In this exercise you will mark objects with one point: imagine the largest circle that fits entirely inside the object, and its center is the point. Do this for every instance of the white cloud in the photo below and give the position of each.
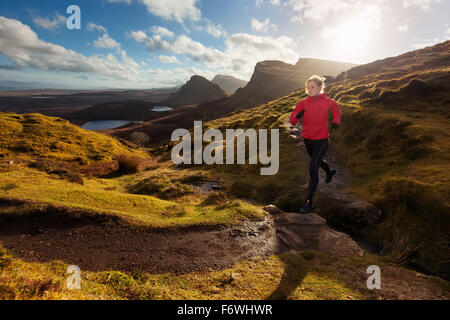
(275, 2)
(318, 10)
(242, 51)
(23, 46)
(178, 76)
(178, 10)
(422, 43)
(49, 23)
(168, 59)
(162, 31)
(258, 3)
(358, 27)
(124, 1)
(215, 30)
(423, 4)
(263, 26)
(402, 28)
(151, 43)
(321, 11)
(106, 42)
(96, 27)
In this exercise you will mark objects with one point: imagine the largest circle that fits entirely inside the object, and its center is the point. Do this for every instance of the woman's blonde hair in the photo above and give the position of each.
(320, 81)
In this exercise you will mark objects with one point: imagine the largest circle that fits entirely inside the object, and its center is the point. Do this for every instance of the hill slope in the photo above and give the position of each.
(34, 135)
(395, 139)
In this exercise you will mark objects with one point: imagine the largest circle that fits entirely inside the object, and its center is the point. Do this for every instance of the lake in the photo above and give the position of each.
(161, 108)
(104, 124)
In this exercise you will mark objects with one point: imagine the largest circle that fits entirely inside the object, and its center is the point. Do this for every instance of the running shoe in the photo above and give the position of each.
(307, 207)
(330, 176)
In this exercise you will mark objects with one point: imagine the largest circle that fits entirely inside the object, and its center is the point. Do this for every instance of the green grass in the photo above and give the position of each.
(399, 160)
(33, 135)
(306, 275)
(100, 195)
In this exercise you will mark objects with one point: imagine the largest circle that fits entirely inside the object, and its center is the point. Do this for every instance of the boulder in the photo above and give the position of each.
(350, 208)
(272, 209)
(337, 243)
(309, 231)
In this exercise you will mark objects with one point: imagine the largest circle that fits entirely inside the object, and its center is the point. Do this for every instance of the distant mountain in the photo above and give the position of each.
(271, 80)
(228, 83)
(274, 79)
(196, 91)
(19, 85)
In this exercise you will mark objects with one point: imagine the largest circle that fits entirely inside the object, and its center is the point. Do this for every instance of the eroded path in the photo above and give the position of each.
(341, 204)
(98, 242)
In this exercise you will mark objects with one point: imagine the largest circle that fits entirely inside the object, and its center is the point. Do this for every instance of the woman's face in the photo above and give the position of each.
(313, 88)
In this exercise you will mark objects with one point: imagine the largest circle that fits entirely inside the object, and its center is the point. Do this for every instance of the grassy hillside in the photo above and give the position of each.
(397, 154)
(138, 197)
(30, 136)
(50, 155)
(395, 144)
(395, 140)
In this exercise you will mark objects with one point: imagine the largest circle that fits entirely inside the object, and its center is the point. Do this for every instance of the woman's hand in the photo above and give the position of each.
(300, 114)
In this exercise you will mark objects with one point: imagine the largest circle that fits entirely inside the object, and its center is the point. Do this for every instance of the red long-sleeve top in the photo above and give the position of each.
(315, 117)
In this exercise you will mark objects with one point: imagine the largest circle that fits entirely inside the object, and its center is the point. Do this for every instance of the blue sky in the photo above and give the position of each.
(161, 43)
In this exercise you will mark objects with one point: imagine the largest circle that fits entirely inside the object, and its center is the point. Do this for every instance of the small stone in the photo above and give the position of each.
(272, 209)
(215, 290)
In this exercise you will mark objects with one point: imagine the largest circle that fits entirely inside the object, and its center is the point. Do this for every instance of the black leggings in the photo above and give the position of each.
(316, 150)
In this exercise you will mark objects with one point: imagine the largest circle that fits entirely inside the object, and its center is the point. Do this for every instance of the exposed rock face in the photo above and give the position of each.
(338, 243)
(302, 231)
(197, 90)
(272, 209)
(347, 207)
(228, 83)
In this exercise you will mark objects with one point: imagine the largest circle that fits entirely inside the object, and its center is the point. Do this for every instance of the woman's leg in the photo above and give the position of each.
(319, 149)
(309, 144)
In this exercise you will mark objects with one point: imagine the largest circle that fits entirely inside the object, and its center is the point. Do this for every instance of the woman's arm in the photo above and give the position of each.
(298, 111)
(336, 110)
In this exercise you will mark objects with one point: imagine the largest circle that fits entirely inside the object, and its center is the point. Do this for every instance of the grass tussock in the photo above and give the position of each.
(129, 163)
(65, 170)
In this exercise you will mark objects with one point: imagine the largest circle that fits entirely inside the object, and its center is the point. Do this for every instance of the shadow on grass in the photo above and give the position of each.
(293, 275)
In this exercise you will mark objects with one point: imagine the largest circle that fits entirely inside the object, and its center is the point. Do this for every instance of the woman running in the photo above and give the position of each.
(314, 111)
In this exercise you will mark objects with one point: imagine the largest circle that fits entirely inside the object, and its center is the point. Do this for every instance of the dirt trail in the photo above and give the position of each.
(341, 204)
(98, 242)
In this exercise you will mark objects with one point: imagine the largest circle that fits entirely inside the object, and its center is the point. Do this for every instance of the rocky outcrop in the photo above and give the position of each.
(196, 91)
(350, 208)
(309, 231)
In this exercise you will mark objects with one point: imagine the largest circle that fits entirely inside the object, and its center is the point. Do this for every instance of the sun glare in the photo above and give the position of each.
(351, 38)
